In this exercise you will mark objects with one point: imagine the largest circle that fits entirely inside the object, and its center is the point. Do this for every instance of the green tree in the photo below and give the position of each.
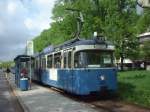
(143, 23)
(115, 19)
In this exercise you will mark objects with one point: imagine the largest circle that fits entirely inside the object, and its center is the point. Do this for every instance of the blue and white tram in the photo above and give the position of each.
(78, 66)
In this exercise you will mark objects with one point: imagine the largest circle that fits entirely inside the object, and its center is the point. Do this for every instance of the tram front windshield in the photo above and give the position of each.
(94, 59)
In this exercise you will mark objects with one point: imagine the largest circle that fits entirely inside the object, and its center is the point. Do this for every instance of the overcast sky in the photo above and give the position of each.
(21, 20)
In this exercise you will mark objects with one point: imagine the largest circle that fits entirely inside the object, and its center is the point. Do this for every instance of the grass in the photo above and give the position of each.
(134, 87)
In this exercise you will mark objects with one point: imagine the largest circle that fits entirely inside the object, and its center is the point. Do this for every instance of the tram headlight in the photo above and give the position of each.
(102, 77)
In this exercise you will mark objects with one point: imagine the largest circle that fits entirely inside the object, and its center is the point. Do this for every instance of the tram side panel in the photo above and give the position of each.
(66, 80)
(81, 81)
(94, 80)
(60, 78)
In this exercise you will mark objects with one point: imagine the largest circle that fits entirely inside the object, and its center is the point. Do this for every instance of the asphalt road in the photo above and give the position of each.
(8, 101)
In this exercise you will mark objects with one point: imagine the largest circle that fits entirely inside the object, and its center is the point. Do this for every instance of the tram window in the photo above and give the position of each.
(49, 61)
(57, 60)
(101, 59)
(69, 59)
(37, 63)
(76, 60)
(40, 63)
(65, 60)
(43, 63)
(80, 60)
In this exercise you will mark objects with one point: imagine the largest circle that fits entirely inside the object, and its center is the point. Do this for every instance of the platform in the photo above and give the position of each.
(41, 99)
(44, 99)
(8, 101)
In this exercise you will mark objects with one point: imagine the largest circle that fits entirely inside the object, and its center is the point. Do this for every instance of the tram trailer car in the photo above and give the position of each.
(78, 66)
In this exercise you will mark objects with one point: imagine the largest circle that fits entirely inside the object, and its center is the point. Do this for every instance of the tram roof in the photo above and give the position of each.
(76, 42)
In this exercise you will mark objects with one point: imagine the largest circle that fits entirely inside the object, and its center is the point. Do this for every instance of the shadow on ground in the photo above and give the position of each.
(124, 88)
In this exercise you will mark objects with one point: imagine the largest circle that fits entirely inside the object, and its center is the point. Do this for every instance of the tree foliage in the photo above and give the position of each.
(115, 19)
(7, 64)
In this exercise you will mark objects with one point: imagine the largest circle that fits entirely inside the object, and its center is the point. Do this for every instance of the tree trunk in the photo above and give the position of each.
(122, 59)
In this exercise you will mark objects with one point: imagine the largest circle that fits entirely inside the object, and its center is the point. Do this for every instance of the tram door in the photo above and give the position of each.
(68, 78)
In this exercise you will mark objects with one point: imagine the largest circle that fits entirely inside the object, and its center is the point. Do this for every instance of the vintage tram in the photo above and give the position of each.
(78, 66)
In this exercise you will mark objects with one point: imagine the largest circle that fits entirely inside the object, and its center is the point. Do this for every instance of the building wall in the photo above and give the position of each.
(144, 37)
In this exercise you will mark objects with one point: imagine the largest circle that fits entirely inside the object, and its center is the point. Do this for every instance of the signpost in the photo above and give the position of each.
(30, 51)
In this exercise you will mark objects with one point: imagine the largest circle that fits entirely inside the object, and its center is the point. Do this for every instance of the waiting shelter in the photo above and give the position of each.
(23, 62)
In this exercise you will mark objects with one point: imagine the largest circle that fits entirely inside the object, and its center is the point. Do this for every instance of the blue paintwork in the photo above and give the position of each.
(82, 81)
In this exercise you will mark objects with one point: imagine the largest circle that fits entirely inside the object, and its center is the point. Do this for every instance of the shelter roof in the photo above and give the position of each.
(23, 58)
